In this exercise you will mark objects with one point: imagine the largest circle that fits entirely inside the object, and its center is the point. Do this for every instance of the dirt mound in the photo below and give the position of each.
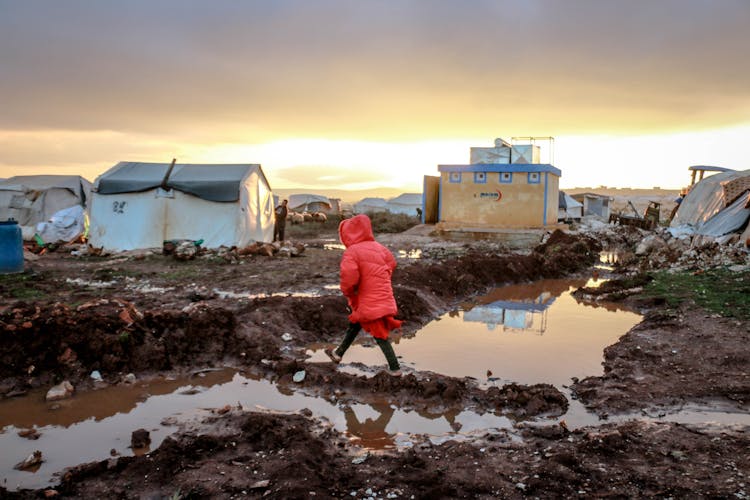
(654, 364)
(426, 391)
(288, 456)
(109, 335)
(562, 254)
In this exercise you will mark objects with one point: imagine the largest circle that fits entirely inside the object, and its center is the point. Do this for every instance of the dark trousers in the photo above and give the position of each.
(384, 344)
(278, 231)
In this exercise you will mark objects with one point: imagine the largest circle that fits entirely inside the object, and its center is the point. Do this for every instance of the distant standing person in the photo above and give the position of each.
(366, 269)
(280, 221)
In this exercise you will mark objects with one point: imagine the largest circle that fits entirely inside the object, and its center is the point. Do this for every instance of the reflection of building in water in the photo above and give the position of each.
(513, 314)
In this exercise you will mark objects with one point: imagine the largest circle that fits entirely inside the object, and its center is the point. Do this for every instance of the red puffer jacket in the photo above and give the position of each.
(366, 269)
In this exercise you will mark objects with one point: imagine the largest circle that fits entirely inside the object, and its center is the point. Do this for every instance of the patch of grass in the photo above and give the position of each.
(184, 271)
(124, 337)
(718, 290)
(22, 286)
(109, 274)
(312, 229)
(386, 222)
(382, 222)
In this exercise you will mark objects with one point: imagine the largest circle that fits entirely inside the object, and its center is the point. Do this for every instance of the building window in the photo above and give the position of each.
(506, 177)
(480, 177)
(454, 177)
(533, 177)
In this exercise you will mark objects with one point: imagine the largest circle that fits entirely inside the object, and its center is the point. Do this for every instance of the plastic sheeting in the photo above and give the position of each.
(705, 199)
(370, 205)
(406, 203)
(133, 220)
(66, 225)
(31, 199)
(217, 182)
(309, 203)
(729, 220)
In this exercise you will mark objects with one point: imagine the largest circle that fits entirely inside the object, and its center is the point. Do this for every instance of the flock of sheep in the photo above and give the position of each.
(300, 217)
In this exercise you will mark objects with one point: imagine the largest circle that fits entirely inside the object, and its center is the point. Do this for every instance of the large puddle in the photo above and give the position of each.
(529, 334)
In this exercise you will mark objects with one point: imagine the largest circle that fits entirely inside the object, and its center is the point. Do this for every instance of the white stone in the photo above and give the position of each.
(60, 391)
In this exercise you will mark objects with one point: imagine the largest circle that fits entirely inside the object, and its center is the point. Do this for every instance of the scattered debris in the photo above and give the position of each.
(140, 438)
(32, 461)
(62, 390)
(32, 434)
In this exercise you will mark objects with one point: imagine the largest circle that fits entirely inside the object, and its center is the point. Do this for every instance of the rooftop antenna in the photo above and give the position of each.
(533, 139)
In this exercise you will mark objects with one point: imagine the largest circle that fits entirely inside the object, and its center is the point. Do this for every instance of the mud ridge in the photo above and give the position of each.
(290, 456)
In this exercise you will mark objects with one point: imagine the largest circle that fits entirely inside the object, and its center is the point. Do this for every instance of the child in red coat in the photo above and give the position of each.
(366, 269)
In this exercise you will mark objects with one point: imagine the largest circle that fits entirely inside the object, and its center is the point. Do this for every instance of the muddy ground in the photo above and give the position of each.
(145, 314)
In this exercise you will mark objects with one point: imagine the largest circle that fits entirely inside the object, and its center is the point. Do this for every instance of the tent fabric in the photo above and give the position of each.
(729, 220)
(137, 219)
(218, 182)
(66, 225)
(31, 199)
(309, 203)
(405, 203)
(707, 198)
(370, 205)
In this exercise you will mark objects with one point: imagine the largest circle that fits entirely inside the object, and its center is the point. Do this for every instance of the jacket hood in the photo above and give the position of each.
(355, 230)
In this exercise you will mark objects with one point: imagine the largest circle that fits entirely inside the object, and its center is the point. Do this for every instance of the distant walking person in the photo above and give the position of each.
(366, 269)
(280, 221)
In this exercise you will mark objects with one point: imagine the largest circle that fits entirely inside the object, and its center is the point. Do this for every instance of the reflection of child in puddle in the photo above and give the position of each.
(366, 269)
(370, 430)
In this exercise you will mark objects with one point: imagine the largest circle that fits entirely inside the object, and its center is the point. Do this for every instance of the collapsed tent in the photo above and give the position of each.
(140, 205)
(32, 199)
(65, 226)
(568, 208)
(309, 203)
(406, 203)
(716, 206)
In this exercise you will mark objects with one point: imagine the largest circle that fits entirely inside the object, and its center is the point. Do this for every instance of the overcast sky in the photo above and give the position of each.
(85, 84)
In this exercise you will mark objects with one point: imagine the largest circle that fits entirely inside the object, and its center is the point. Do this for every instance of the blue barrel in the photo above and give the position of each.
(11, 247)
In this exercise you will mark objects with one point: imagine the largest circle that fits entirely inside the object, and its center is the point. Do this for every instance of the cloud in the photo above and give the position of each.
(258, 71)
(315, 175)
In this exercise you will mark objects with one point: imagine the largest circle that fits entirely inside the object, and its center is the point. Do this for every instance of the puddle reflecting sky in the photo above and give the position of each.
(86, 427)
(528, 333)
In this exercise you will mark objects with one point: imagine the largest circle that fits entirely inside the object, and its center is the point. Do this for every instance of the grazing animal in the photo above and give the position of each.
(296, 218)
(319, 217)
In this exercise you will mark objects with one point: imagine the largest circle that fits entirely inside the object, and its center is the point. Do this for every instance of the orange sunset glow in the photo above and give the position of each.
(364, 95)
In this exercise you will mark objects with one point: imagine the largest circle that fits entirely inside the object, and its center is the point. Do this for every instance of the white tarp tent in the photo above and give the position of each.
(31, 199)
(370, 205)
(309, 203)
(140, 205)
(406, 203)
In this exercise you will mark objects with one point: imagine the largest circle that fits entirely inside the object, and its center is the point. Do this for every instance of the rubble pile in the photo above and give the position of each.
(661, 250)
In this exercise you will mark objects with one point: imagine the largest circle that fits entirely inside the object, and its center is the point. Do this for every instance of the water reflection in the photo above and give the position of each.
(474, 338)
(518, 307)
(86, 427)
(33, 411)
(414, 253)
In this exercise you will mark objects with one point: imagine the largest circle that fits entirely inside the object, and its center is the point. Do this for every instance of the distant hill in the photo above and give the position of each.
(345, 195)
